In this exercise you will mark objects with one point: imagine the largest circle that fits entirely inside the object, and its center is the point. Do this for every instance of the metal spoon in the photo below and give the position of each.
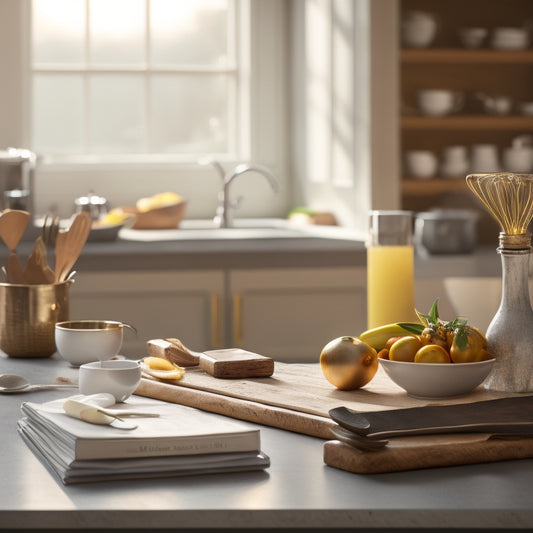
(12, 383)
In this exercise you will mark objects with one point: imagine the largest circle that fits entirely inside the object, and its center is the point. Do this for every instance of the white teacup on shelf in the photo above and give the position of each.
(455, 161)
(508, 38)
(420, 163)
(526, 108)
(496, 105)
(473, 37)
(484, 158)
(418, 29)
(436, 102)
(518, 159)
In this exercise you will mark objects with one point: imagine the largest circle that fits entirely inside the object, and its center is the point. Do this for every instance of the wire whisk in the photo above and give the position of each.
(508, 197)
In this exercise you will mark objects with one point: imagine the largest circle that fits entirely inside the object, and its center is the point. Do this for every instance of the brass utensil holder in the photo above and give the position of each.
(28, 314)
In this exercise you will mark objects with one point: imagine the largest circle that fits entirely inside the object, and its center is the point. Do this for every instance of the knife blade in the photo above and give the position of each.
(507, 416)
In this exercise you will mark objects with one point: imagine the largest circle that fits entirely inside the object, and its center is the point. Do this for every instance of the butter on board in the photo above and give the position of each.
(223, 363)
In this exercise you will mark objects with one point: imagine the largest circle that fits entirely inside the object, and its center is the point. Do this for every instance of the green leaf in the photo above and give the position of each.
(411, 327)
(434, 312)
(461, 338)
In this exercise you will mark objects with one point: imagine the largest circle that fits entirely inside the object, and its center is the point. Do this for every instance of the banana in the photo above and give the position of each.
(377, 337)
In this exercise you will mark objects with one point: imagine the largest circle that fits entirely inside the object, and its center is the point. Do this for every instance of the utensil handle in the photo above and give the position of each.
(51, 386)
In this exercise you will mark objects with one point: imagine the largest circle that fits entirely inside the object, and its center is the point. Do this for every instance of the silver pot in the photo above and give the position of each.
(446, 231)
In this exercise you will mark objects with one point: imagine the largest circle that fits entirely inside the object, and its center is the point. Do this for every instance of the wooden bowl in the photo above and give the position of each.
(164, 217)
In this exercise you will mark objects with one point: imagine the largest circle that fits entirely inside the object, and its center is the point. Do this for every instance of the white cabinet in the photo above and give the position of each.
(291, 314)
(159, 304)
(287, 314)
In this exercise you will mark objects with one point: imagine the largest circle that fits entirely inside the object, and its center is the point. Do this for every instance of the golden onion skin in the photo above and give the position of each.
(348, 363)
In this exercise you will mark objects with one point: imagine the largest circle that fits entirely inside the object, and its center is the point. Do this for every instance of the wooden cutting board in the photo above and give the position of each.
(297, 398)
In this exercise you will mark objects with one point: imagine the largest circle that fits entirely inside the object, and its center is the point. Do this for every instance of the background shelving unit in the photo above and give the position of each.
(448, 65)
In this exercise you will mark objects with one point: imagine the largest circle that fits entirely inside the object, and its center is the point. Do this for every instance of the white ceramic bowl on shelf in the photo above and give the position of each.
(435, 380)
(473, 37)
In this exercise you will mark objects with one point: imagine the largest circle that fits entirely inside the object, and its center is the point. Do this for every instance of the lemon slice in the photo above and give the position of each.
(162, 368)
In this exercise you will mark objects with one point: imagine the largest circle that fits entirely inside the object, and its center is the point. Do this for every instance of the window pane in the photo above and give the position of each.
(116, 120)
(117, 32)
(185, 32)
(58, 31)
(189, 113)
(57, 114)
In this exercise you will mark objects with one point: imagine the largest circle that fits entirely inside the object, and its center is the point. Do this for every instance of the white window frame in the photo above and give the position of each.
(123, 180)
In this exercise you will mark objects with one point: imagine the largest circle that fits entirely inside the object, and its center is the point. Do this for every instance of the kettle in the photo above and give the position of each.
(17, 168)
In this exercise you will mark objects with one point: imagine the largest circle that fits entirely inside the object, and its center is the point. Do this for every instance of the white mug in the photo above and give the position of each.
(518, 159)
(455, 161)
(484, 158)
(420, 163)
(418, 29)
(437, 102)
(119, 377)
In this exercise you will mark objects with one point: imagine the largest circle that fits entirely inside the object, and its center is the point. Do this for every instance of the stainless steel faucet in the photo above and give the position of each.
(223, 217)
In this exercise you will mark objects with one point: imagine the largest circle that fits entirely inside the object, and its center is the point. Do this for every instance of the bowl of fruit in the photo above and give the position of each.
(432, 359)
(161, 211)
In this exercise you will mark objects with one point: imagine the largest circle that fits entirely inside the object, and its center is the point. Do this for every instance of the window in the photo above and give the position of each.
(253, 113)
(139, 77)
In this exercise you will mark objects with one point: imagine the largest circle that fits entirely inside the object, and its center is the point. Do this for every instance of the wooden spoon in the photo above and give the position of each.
(70, 243)
(13, 224)
(37, 270)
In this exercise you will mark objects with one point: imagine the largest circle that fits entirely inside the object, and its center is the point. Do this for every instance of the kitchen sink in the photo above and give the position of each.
(244, 228)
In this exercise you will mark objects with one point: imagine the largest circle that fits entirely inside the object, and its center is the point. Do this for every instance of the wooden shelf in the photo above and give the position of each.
(460, 55)
(431, 186)
(467, 122)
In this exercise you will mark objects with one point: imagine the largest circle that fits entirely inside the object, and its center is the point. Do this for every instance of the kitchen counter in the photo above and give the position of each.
(297, 491)
(337, 250)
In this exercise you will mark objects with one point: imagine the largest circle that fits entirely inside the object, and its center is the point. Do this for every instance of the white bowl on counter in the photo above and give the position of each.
(436, 380)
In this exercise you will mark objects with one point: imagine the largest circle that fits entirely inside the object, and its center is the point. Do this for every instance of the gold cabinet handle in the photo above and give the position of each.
(237, 319)
(216, 325)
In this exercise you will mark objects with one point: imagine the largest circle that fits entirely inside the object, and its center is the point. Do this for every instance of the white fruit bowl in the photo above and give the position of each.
(435, 380)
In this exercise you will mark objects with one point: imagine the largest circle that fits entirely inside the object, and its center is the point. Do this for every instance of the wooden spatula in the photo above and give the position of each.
(70, 243)
(13, 224)
(37, 270)
(226, 363)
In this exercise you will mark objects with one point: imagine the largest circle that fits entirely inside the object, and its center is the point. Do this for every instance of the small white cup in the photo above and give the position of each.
(84, 341)
(119, 377)
(526, 108)
(519, 160)
(473, 37)
(437, 102)
(484, 158)
(455, 161)
(509, 38)
(498, 105)
(420, 163)
(418, 29)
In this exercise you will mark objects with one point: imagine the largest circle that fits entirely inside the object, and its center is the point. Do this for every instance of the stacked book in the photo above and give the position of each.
(180, 441)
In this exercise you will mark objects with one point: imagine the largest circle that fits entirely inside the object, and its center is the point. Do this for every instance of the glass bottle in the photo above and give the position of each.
(510, 333)
(390, 268)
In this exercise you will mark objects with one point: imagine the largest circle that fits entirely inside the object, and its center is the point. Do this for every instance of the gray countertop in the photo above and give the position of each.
(261, 253)
(297, 491)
